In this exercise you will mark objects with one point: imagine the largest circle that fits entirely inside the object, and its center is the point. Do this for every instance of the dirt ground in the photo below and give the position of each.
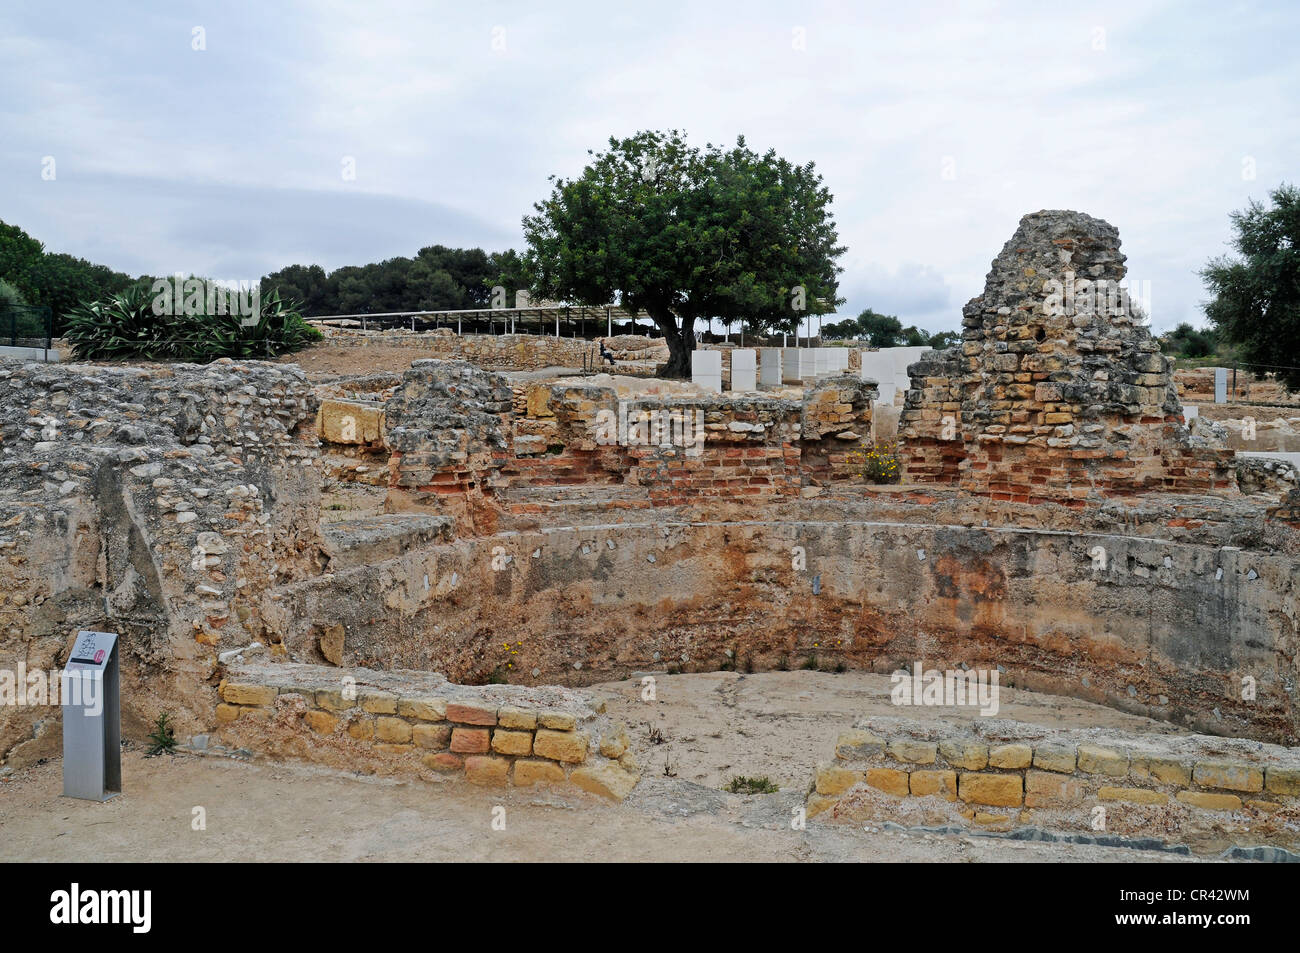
(323, 360)
(713, 726)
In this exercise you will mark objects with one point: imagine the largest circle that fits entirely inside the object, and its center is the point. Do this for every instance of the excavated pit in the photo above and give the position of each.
(442, 570)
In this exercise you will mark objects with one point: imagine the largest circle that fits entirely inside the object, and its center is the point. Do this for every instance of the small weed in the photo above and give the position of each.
(809, 664)
(654, 735)
(162, 740)
(783, 663)
(743, 785)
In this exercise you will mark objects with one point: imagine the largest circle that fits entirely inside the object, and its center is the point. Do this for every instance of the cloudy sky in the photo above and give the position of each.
(215, 138)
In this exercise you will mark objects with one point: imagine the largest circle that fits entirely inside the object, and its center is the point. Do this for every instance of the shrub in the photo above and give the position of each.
(879, 464)
(126, 326)
(743, 785)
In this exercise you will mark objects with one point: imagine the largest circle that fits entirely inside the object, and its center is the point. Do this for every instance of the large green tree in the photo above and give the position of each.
(1256, 303)
(684, 234)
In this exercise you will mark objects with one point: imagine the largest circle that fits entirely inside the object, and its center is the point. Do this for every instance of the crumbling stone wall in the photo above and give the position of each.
(1000, 774)
(1169, 628)
(504, 352)
(417, 724)
(456, 442)
(1057, 391)
(162, 504)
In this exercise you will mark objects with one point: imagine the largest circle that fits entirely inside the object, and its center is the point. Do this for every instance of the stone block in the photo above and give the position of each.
(529, 771)
(471, 740)
(606, 779)
(558, 720)
(1013, 756)
(393, 730)
(424, 709)
(994, 790)
(1059, 758)
(941, 783)
(321, 722)
(960, 753)
(1228, 775)
(832, 779)
(244, 694)
(433, 737)
(1048, 789)
(492, 772)
(1210, 802)
(512, 742)
(1164, 770)
(378, 703)
(520, 718)
(1094, 759)
(913, 752)
(567, 746)
(857, 745)
(471, 714)
(1282, 781)
(889, 780)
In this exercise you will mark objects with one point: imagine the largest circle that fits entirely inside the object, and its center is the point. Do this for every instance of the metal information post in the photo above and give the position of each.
(92, 728)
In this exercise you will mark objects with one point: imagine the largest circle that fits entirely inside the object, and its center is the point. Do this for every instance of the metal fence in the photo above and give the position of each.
(24, 325)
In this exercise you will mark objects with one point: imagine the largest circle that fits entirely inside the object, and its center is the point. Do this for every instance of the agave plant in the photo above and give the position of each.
(128, 326)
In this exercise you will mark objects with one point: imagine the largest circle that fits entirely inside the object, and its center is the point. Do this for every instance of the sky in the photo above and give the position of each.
(231, 139)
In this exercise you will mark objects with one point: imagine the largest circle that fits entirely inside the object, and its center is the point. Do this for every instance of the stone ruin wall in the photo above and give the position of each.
(180, 507)
(998, 774)
(162, 504)
(457, 446)
(1048, 398)
(504, 352)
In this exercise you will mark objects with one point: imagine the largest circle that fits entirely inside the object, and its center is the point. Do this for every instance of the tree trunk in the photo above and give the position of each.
(681, 342)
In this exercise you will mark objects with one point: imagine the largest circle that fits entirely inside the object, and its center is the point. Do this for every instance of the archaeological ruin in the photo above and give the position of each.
(421, 573)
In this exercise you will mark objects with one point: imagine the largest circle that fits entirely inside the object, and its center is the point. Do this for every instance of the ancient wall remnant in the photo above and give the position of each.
(455, 441)
(1001, 774)
(162, 504)
(1057, 391)
(418, 724)
(506, 352)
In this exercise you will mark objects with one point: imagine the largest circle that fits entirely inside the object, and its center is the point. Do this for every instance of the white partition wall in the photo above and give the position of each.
(903, 356)
(706, 369)
(744, 369)
(807, 363)
(822, 358)
(878, 366)
(839, 360)
(769, 366)
(790, 364)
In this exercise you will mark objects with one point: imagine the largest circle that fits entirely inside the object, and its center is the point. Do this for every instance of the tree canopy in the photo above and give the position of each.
(54, 280)
(885, 330)
(684, 234)
(1256, 303)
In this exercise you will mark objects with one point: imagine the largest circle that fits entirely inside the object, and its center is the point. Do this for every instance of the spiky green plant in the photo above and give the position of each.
(126, 326)
(162, 740)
